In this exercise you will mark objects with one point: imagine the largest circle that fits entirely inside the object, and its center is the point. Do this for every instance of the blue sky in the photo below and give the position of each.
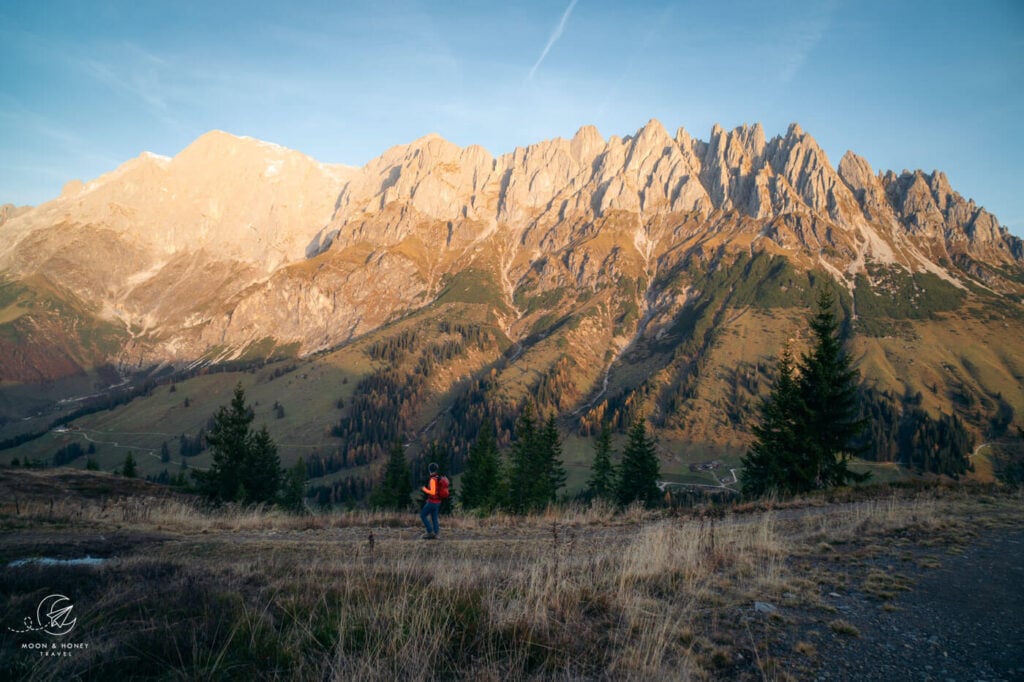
(86, 85)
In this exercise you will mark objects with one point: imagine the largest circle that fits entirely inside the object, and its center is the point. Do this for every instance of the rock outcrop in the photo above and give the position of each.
(235, 240)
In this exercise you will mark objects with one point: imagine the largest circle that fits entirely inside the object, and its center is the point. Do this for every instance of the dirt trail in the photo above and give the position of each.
(961, 621)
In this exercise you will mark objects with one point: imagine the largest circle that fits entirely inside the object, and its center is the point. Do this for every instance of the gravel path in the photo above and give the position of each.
(961, 621)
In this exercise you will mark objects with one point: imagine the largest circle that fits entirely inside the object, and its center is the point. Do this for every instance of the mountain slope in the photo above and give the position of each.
(161, 245)
(654, 274)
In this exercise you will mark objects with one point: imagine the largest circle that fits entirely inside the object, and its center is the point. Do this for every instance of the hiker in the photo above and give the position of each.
(430, 510)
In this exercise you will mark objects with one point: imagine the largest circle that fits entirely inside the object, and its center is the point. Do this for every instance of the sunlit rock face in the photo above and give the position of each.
(235, 241)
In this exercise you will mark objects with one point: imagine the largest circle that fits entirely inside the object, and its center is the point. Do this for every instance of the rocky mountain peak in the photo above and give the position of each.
(799, 159)
(730, 163)
(586, 144)
(645, 173)
(653, 133)
(855, 171)
(229, 197)
(866, 187)
(429, 149)
(71, 188)
(942, 192)
(239, 239)
(927, 207)
(216, 146)
(217, 140)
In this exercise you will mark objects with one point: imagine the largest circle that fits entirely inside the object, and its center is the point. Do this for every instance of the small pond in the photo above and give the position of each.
(50, 561)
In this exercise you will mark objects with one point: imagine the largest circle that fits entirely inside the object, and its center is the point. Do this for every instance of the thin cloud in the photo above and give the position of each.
(641, 48)
(555, 35)
(143, 76)
(141, 88)
(802, 39)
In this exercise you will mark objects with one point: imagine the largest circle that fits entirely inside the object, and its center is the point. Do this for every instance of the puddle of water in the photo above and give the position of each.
(50, 561)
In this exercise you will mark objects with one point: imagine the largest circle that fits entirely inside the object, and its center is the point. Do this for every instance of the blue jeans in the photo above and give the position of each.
(429, 516)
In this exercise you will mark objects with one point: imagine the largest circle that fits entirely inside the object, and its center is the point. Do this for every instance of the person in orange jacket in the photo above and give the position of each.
(430, 511)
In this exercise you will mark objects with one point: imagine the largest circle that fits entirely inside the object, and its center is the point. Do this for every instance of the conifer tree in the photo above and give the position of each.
(602, 483)
(245, 466)
(128, 468)
(535, 471)
(293, 491)
(524, 466)
(771, 463)
(811, 417)
(551, 452)
(228, 441)
(395, 489)
(261, 470)
(481, 481)
(639, 471)
(828, 389)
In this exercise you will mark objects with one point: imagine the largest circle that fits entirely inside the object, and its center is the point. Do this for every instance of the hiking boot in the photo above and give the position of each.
(428, 536)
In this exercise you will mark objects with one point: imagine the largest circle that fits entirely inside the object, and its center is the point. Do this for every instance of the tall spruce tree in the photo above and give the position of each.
(770, 464)
(395, 489)
(551, 448)
(229, 445)
(481, 481)
(809, 421)
(129, 469)
(639, 471)
(535, 471)
(524, 469)
(245, 466)
(828, 388)
(602, 483)
(261, 470)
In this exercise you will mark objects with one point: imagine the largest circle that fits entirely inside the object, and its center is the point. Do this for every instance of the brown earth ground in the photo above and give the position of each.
(869, 585)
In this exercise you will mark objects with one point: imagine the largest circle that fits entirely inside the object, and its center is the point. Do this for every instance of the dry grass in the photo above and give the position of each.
(842, 627)
(806, 649)
(579, 593)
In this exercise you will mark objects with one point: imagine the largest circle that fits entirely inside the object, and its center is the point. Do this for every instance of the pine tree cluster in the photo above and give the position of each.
(638, 473)
(635, 479)
(532, 478)
(245, 465)
(900, 431)
(810, 421)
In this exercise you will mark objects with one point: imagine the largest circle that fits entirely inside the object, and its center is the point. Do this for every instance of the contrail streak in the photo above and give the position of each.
(555, 35)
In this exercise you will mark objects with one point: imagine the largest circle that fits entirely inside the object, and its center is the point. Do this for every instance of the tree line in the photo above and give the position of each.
(900, 431)
(529, 475)
(527, 482)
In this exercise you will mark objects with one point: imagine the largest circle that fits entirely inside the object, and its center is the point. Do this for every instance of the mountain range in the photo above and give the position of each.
(654, 274)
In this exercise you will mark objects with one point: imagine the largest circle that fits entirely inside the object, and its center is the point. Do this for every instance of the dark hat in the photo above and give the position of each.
(432, 467)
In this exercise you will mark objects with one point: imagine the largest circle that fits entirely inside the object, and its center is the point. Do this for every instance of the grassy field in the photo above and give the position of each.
(183, 592)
